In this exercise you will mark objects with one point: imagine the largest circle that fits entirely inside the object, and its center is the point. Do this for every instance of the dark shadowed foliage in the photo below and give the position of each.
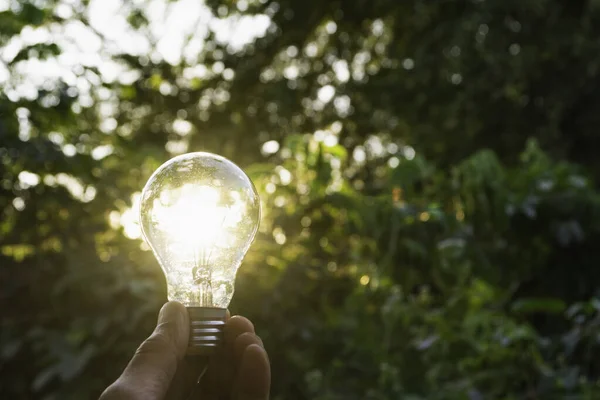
(428, 171)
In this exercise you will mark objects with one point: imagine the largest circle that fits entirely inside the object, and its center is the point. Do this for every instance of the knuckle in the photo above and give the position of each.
(243, 342)
(249, 338)
(259, 341)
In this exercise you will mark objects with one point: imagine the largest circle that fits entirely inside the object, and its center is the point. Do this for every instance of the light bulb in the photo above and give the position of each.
(199, 213)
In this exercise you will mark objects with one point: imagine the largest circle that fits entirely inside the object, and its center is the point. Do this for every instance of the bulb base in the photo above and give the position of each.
(206, 329)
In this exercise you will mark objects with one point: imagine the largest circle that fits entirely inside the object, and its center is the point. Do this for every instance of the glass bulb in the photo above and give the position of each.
(199, 213)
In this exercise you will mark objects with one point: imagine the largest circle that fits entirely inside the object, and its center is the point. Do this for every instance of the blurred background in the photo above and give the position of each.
(428, 171)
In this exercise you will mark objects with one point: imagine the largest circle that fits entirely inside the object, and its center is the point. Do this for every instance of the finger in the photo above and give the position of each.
(221, 370)
(234, 327)
(242, 342)
(152, 368)
(254, 375)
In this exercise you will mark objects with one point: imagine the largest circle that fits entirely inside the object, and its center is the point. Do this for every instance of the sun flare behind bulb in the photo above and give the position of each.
(199, 213)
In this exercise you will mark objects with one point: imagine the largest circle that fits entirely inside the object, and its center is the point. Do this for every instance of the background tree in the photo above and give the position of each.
(427, 170)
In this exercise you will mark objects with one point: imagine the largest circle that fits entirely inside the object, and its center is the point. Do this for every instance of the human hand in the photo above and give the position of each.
(159, 369)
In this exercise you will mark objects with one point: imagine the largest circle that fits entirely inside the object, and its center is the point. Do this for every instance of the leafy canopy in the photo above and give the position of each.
(428, 174)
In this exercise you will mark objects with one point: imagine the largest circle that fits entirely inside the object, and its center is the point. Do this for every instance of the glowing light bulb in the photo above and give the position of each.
(199, 213)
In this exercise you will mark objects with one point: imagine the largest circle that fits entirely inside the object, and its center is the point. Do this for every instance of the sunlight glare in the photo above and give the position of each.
(195, 217)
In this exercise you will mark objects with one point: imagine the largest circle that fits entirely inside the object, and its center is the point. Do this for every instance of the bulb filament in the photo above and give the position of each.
(202, 271)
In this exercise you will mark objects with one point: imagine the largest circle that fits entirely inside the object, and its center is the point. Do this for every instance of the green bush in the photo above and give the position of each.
(429, 231)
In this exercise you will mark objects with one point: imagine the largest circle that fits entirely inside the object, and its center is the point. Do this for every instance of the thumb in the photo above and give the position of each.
(152, 368)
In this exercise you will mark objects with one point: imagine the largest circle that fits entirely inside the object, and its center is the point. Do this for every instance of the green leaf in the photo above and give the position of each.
(539, 305)
(40, 51)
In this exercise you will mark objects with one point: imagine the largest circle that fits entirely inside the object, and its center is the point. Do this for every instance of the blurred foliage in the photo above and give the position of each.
(429, 179)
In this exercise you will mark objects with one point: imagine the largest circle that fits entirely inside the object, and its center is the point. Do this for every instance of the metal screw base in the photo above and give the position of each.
(206, 329)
